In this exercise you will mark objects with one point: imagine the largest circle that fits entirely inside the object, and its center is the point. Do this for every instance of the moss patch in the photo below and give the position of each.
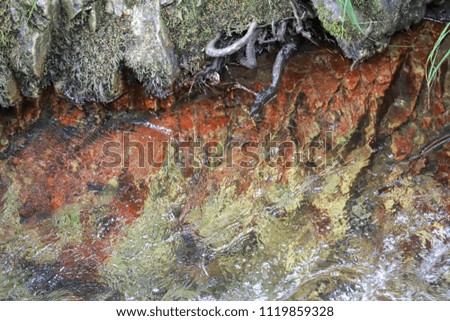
(347, 30)
(6, 25)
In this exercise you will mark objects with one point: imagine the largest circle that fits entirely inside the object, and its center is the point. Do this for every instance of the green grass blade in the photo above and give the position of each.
(433, 54)
(348, 11)
(33, 7)
(431, 66)
(435, 69)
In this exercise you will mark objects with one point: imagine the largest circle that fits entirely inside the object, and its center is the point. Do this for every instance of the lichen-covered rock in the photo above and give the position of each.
(29, 33)
(91, 47)
(74, 7)
(363, 28)
(85, 63)
(148, 51)
(9, 91)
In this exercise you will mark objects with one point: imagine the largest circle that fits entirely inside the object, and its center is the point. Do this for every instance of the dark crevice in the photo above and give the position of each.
(393, 92)
(293, 126)
(363, 224)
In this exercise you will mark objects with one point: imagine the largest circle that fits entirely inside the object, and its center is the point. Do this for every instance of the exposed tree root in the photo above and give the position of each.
(268, 94)
(435, 144)
(413, 160)
(212, 51)
(257, 39)
(249, 60)
(262, 35)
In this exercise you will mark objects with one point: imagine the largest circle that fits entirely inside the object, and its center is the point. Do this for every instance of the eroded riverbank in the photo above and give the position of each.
(317, 199)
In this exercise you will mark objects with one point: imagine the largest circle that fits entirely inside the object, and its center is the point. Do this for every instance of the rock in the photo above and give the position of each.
(87, 52)
(73, 7)
(149, 52)
(439, 10)
(31, 43)
(365, 27)
(9, 90)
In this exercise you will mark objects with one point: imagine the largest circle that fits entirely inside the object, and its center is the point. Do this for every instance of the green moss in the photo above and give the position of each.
(10, 211)
(368, 7)
(6, 25)
(85, 63)
(347, 30)
(23, 8)
(356, 22)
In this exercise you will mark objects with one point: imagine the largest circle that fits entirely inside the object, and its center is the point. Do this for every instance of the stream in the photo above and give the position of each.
(328, 195)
